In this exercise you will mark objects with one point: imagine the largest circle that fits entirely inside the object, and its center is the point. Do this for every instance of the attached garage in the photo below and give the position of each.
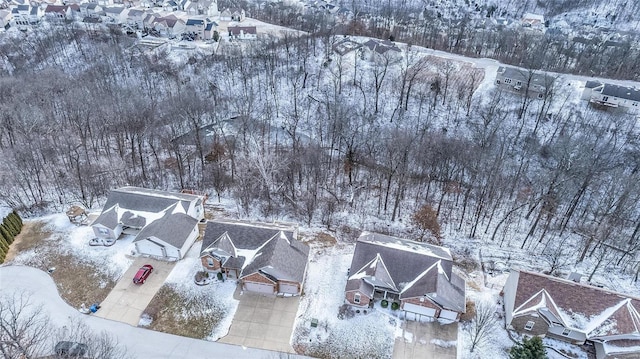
(288, 288)
(413, 308)
(448, 314)
(263, 288)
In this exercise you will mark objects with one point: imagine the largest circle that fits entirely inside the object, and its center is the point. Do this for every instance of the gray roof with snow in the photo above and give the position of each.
(172, 228)
(415, 269)
(278, 254)
(623, 92)
(523, 76)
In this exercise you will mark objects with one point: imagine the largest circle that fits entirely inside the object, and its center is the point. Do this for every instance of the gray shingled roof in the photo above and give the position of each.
(147, 200)
(406, 261)
(523, 76)
(244, 235)
(280, 255)
(172, 228)
(623, 92)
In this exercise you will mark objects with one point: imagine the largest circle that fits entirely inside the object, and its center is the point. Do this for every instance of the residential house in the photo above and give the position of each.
(345, 46)
(164, 224)
(5, 19)
(604, 95)
(169, 26)
(232, 14)
(542, 305)
(195, 27)
(57, 12)
(135, 18)
(417, 275)
(382, 51)
(20, 16)
(243, 32)
(199, 7)
(36, 13)
(265, 258)
(210, 30)
(170, 6)
(528, 82)
(115, 14)
(533, 21)
(90, 9)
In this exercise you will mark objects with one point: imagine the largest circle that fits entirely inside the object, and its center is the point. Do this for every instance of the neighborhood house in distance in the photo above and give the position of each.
(542, 305)
(524, 82)
(164, 224)
(265, 258)
(604, 95)
(418, 275)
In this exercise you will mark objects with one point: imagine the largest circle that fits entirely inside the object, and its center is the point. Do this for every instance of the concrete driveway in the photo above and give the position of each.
(430, 340)
(126, 301)
(264, 322)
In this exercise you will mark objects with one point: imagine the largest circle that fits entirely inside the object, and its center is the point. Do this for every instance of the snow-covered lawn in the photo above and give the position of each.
(368, 335)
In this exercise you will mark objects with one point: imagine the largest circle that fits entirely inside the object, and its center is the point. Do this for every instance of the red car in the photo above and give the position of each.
(143, 274)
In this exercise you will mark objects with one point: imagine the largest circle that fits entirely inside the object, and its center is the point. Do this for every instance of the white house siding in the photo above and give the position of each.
(103, 232)
(189, 241)
(259, 287)
(413, 308)
(157, 248)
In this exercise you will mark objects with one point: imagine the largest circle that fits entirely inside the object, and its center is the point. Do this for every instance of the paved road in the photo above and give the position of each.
(126, 301)
(140, 343)
(263, 322)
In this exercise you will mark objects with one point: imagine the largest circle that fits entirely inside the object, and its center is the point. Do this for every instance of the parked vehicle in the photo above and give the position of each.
(143, 274)
(71, 349)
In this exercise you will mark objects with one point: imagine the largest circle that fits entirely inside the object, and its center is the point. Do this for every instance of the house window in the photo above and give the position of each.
(540, 95)
(605, 98)
(519, 83)
(210, 261)
(356, 298)
(529, 325)
(507, 81)
(103, 231)
(498, 82)
(566, 332)
(634, 104)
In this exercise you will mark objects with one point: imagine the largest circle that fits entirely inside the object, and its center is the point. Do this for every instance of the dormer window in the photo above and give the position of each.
(566, 332)
(356, 298)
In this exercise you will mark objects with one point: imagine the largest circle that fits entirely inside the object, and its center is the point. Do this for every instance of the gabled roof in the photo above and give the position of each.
(582, 307)
(195, 22)
(237, 30)
(623, 92)
(268, 248)
(410, 268)
(173, 228)
(540, 79)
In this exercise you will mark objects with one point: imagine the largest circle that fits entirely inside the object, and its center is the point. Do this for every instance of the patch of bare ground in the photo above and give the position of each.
(78, 281)
(32, 234)
(323, 240)
(188, 316)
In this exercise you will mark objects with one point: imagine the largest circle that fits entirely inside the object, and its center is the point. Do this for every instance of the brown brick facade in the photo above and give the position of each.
(364, 300)
(205, 263)
(540, 327)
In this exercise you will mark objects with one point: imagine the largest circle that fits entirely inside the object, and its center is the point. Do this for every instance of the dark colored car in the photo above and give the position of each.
(143, 274)
(71, 349)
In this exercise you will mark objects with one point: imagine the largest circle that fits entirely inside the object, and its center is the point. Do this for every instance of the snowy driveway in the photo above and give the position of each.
(430, 340)
(140, 343)
(126, 301)
(263, 322)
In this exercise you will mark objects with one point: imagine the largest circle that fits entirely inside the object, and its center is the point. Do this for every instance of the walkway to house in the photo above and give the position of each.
(264, 322)
(126, 301)
(430, 340)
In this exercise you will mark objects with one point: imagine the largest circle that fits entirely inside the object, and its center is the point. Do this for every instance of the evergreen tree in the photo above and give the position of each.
(17, 216)
(5, 233)
(3, 254)
(3, 244)
(10, 226)
(530, 348)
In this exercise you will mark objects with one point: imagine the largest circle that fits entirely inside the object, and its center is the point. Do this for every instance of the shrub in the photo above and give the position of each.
(219, 275)
(384, 303)
(395, 306)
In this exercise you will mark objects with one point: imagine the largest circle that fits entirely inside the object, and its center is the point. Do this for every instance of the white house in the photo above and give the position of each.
(243, 33)
(232, 14)
(612, 96)
(5, 19)
(165, 224)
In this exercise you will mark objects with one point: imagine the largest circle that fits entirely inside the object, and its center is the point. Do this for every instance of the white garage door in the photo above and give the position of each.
(288, 288)
(447, 314)
(419, 309)
(151, 248)
(259, 287)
